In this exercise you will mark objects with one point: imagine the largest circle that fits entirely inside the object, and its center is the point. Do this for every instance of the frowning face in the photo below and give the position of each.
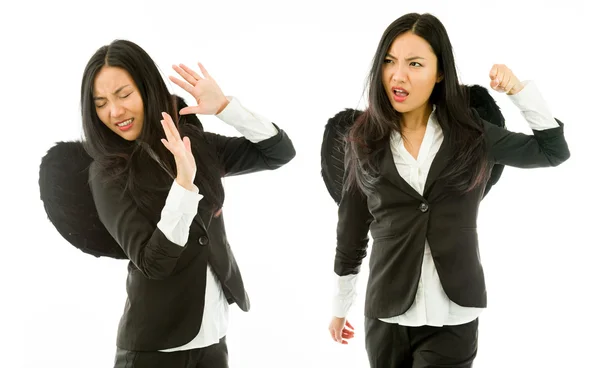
(410, 72)
(118, 102)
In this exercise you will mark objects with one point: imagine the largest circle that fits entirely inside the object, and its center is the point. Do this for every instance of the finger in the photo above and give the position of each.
(187, 144)
(167, 131)
(346, 332)
(338, 336)
(511, 84)
(166, 143)
(186, 86)
(494, 72)
(185, 75)
(191, 72)
(507, 85)
(505, 79)
(204, 71)
(349, 325)
(497, 82)
(191, 110)
(500, 77)
(171, 125)
(347, 335)
(333, 335)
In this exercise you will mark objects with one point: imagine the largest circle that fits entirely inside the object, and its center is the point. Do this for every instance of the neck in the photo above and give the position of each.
(416, 119)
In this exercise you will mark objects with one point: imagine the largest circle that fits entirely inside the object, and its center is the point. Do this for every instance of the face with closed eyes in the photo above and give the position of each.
(118, 102)
(410, 73)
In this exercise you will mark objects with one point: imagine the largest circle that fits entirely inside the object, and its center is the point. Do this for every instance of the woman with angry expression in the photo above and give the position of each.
(417, 163)
(156, 183)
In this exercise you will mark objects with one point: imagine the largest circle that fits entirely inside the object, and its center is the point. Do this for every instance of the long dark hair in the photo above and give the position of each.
(130, 163)
(370, 133)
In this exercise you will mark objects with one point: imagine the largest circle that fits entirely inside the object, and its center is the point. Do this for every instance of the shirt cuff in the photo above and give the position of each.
(182, 200)
(345, 295)
(533, 107)
(252, 126)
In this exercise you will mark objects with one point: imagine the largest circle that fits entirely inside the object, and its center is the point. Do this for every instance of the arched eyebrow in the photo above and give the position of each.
(114, 93)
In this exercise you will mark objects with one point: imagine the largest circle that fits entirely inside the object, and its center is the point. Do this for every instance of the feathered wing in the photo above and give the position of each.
(485, 105)
(68, 201)
(336, 129)
(332, 151)
(67, 197)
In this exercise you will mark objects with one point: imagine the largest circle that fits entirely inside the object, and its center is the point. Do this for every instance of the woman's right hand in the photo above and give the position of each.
(341, 330)
(182, 151)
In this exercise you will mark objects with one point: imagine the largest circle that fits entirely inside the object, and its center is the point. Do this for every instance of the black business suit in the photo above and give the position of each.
(166, 282)
(400, 219)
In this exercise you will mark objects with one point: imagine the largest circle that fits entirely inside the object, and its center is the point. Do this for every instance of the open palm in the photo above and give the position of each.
(206, 91)
(181, 150)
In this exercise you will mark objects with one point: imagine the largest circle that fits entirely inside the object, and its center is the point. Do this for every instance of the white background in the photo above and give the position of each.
(299, 64)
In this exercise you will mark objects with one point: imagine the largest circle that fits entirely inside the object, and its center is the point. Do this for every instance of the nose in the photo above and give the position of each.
(400, 74)
(116, 110)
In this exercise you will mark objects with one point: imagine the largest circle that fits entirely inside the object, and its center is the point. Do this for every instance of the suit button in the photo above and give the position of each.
(203, 240)
(424, 207)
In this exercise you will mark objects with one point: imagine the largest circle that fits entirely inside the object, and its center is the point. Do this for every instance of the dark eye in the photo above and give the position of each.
(388, 61)
(415, 63)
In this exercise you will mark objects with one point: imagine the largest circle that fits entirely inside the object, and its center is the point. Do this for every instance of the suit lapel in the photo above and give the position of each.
(440, 161)
(390, 172)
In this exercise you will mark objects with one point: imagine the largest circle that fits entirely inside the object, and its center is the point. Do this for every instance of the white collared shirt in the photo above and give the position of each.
(181, 207)
(432, 306)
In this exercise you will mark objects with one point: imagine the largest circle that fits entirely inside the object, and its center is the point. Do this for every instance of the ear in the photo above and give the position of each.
(439, 78)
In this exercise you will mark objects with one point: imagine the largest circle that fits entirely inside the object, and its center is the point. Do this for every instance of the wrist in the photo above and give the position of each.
(516, 89)
(186, 184)
(223, 105)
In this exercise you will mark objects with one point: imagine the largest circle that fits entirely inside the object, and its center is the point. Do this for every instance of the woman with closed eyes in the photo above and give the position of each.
(156, 184)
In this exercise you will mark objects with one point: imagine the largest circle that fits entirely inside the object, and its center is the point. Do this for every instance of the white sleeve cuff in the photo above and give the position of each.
(182, 200)
(181, 206)
(533, 107)
(252, 126)
(344, 295)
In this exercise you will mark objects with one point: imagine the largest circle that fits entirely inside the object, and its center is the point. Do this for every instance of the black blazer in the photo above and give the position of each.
(400, 220)
(166, 282)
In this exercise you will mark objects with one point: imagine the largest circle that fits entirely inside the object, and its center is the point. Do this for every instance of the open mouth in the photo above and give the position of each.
(400, 94)
(125, 124)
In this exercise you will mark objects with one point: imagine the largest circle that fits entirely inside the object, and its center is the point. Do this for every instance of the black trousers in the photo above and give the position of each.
(394, 346)
(213, 356)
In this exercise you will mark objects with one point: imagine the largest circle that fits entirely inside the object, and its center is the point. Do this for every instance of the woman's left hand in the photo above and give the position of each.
(504, 80)
(206, 91)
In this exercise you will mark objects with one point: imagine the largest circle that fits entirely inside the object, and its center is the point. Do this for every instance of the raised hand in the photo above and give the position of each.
(504, 80)
(206, 91)
(181, 150)
(341, 330)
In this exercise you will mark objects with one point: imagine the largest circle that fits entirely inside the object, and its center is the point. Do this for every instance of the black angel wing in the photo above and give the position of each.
(67, 197)
(332, 151)
(336, 129)
(485, 105)
(68, 201)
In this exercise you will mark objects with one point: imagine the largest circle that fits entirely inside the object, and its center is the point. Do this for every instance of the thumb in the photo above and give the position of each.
(190, 110)
(338, 334)
(494, 84)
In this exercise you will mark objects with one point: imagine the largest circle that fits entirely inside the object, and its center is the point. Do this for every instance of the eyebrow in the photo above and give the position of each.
(114, 93)
(408, 59)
